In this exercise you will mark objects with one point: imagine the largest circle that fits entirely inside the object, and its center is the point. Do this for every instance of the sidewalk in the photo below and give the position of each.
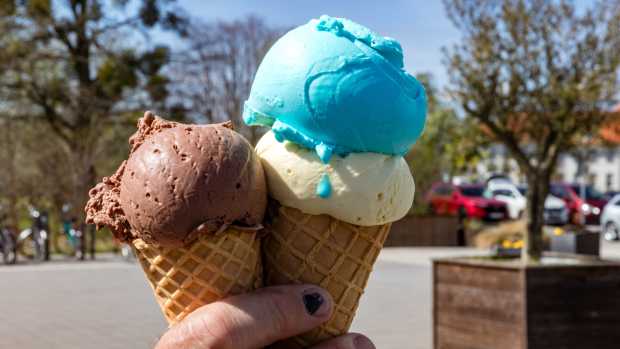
(108, 304)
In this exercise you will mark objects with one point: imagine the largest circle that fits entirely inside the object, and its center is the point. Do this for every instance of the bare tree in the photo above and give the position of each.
(216, 71)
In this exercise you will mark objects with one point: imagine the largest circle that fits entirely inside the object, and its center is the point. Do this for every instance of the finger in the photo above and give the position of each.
(252, 320)
(348, 341)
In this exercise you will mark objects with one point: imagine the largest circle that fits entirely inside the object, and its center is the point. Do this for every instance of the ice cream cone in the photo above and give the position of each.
(211, 268)
(321, 250)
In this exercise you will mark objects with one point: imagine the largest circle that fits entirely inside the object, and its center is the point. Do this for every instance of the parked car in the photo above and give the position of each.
(610, 219)
(610, 194)
(595, 201)
(465, 201)
(555, 212)
(577, 207)
(508, 193)
(498, 177)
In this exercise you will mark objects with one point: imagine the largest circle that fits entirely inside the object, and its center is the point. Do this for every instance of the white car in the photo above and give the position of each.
(610, 219)
(556, 212)
(508, 193)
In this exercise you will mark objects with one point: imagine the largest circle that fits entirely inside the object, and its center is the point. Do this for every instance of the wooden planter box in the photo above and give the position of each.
(426, 231)
(487, 304)
(577, 243)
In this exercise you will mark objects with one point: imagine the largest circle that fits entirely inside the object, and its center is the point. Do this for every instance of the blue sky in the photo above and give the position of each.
(420, 25)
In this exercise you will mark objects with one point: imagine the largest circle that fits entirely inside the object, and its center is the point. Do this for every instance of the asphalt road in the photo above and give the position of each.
(108, 304)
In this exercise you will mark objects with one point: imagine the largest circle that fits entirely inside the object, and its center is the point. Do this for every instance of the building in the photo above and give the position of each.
(600, 165)
(601, 168)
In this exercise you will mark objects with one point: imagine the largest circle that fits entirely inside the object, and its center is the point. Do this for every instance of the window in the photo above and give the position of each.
(559, 191)
(472, 191)
(592, 178)
(609, 181)
(503, 192)
(443, 190)
(589, 192)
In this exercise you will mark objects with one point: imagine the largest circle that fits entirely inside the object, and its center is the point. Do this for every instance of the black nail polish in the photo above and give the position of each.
(313, 302)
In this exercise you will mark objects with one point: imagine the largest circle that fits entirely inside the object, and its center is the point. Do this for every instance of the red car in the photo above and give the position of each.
(465, 201)
(573, 202)
(582, 210)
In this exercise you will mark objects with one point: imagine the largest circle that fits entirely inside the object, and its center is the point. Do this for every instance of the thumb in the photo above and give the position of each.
(252, 320)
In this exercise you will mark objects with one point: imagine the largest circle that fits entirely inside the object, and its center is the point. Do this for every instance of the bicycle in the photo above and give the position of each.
(8, 246)
(33, 242)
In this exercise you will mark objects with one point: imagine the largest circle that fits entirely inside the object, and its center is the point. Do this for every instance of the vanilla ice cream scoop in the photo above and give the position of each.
(363, 188)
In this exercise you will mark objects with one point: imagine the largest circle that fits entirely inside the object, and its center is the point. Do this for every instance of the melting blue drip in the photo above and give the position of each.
(324, 152)
(324, 189)
(279, 137)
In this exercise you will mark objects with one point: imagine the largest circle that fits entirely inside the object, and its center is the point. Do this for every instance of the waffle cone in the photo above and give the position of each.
(211, 268)
(321, 250)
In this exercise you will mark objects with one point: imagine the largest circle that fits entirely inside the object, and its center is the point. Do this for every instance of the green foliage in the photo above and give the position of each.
(39, 9)
(7, 7)
(157, 87)
(72, 72)
(118, 73)
(149, 12)
(152, 61)
(449, 145)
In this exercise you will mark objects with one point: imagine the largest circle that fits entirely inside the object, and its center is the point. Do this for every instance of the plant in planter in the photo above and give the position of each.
(539, 77)
(575, 241)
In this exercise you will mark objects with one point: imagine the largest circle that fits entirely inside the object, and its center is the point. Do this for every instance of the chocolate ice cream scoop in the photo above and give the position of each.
(181, 181)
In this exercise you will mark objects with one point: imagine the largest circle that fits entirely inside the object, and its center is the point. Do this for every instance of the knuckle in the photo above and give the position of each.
(280, 312)
(217, 329)
(210, 330)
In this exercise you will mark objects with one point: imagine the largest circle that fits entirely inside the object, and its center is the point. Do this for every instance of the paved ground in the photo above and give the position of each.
(107, 304)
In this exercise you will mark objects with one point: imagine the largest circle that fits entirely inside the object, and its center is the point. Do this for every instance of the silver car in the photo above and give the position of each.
(556, 212)
(610, 219)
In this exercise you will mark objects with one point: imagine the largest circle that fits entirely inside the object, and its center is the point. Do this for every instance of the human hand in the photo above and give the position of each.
(257, 319)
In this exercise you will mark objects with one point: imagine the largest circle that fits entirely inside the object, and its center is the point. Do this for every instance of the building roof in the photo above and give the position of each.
(610, 131)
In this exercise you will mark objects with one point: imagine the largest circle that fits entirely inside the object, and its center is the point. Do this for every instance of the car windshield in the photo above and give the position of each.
(559, 191)
(504, 192)
(473, 191)
(591, 193)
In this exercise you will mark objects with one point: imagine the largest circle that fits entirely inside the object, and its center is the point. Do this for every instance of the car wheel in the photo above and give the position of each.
(611, 232)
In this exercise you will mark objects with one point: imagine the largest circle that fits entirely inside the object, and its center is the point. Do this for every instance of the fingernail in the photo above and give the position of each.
(313, 302)
(361, 342)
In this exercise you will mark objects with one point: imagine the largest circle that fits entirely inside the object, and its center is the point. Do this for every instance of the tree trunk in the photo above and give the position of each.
(10, 147)
(538, 183)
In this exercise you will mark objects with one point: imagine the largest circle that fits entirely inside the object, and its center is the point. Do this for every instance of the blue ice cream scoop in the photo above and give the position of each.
(335, 86)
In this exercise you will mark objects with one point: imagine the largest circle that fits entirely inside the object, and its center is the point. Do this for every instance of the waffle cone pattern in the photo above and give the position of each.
(211, 268)
(321, 250)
